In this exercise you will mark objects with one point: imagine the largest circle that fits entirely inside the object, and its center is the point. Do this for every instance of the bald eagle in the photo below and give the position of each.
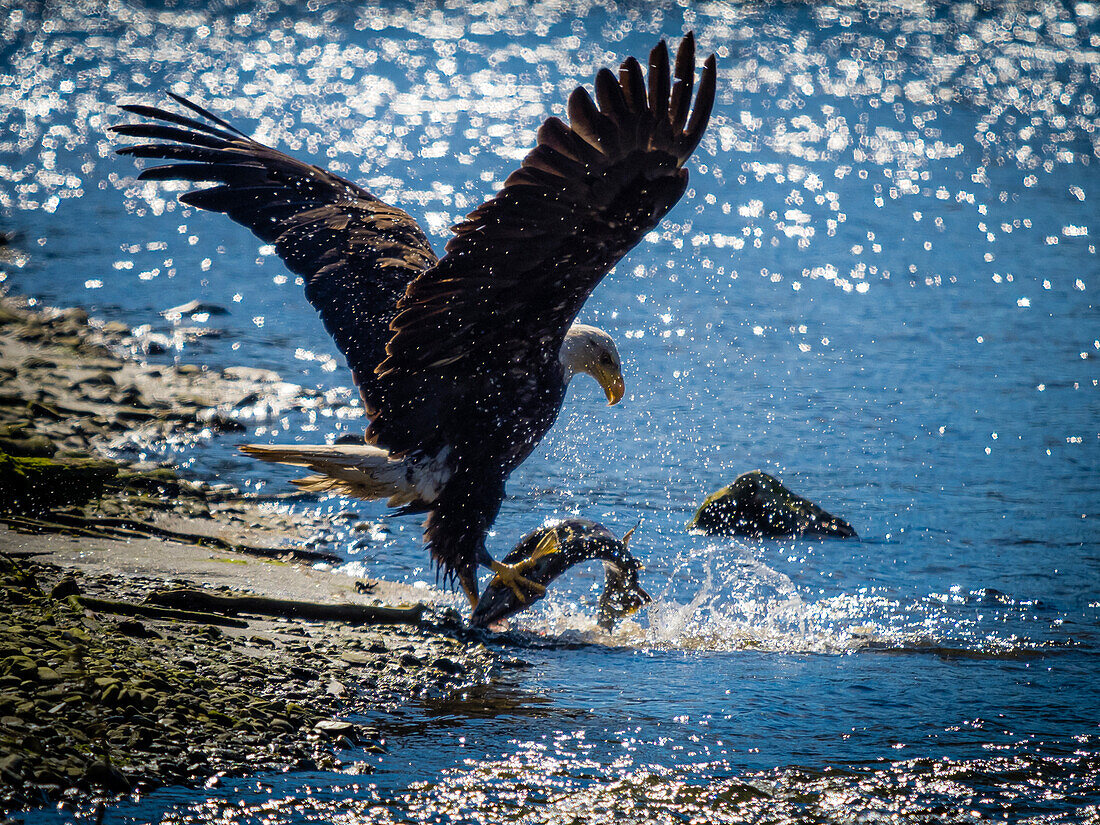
(462, 361)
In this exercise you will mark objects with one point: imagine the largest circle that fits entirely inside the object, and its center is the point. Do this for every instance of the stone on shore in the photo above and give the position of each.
(29, 484)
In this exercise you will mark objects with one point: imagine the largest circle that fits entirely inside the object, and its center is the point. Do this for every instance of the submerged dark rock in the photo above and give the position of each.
(195, 307)
(757, 505)
(29, 446)
(546, 553)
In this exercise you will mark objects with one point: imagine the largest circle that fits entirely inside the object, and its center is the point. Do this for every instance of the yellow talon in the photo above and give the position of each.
(511, 576)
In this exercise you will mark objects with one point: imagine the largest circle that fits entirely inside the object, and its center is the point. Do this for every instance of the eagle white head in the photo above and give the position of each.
(592, 351)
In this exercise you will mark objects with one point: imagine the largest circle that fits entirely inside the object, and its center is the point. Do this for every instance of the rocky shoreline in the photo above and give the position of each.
(160, 630)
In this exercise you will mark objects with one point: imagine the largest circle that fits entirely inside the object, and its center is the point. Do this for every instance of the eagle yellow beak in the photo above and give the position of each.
(612, 382)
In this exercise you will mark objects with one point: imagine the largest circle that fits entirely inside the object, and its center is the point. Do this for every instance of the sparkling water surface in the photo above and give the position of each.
(879, 288)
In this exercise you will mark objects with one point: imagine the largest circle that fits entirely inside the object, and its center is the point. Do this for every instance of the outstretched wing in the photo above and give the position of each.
(521, 265)
(356, 253)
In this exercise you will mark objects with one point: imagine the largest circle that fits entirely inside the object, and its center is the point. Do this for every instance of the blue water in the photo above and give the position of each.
(880, 288)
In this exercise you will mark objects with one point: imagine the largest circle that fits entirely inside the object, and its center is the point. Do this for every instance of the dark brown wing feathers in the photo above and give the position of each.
(659, 82)
(680, 101)
(356, 253)
(584, 196)
(700, 115)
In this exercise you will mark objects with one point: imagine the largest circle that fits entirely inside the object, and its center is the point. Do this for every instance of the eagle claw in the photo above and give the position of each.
(511, 575)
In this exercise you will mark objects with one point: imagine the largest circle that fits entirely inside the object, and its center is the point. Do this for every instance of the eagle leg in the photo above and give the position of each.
(470, 589)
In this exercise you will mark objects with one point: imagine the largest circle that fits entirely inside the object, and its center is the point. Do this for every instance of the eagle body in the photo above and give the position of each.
(462, 360)
(512, 417)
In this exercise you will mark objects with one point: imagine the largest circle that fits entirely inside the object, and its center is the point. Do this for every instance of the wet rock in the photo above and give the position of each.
(335, 728)
(39, 483)
(39, 410)
(11, 765)
(449, 666)
(16, 429)
(306, 674)
(104, 775)
(131, 627)
(260, 376)
(757, 505)
(65, 588)
(154, 343)
(123, 414)
(9, 315)
(47, 675)
(34, 446)
(195, 307)
(221, 422)
(162, 481)
(247, 400)
(357, 659)
(31, 331)
(129, 394)
(73, 317)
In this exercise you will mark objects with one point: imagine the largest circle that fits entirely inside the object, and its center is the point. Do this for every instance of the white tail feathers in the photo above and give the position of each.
(358, 470)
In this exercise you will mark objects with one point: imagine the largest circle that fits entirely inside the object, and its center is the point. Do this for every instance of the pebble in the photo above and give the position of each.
(333, 728)
(449, 666)
(48, 675)
(353, 658)
(101, 378)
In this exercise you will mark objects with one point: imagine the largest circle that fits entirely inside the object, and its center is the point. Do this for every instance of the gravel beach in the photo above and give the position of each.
(163, 630)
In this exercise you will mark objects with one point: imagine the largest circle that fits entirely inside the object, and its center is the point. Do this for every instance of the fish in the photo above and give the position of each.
(548, 552)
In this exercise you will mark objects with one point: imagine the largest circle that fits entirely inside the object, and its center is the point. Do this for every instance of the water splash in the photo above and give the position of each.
(722, 597)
